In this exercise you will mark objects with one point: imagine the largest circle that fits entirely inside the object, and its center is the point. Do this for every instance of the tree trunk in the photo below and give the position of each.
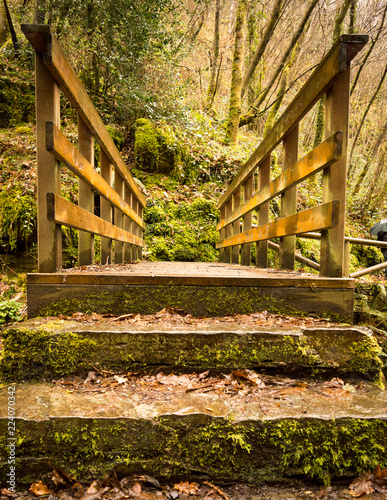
(236, 79)
(262, 46)
(215, 60)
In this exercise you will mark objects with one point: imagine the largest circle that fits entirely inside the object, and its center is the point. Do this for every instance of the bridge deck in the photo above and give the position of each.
(200, 288)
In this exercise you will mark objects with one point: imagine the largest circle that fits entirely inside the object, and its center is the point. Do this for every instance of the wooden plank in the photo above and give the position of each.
(332, 258)
(106, 209)
(247, 221)
(85, 192)
(48, 172)
(128, 224)
(118, 219)
(272, 280)
(236, 226)
(287, 245)
(316, 160)
(66, 152)
(335, 62)
(56, 61)
(222, 233)
(314, 219)
(68, 214)
(263, 213)
(227, 251)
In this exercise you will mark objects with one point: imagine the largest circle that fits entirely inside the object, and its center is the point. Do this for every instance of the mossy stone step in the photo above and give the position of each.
(170, 432)
(44, 348)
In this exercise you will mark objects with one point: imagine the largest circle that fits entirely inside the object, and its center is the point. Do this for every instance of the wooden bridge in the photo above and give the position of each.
(246, 200)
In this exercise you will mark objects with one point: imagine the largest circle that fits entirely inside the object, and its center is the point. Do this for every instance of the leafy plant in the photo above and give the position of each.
(10, 310)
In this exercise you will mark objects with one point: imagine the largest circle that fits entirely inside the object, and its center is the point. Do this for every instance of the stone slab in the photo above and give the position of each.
(172, 433)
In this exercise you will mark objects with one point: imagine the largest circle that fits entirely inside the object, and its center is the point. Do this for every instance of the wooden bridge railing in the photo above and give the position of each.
(121, 200)
(331, 78)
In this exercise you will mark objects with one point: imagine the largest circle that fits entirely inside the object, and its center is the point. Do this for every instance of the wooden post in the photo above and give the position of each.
(118, 219)
(140, 230)
(222, 233)
(227, 250)
(335, 177)
(135, 229)
(47, 109)
(289, 201)
(236, 226)
(85, 194)
(128, 224)
(247, 221)
(263, 216)
(106, 209)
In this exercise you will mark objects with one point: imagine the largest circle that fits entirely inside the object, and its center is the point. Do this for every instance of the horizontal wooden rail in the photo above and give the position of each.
(316, 160)
(64, 212)
(316, 218)
(67, 153)
(44, 42)
(334, 63)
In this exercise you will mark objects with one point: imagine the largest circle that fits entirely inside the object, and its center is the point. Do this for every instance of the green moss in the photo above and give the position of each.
(29, 354)
(146, 147)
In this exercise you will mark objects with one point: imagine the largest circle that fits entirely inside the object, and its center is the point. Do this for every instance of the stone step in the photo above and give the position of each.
(46, 348)
(238, 426)
(202, 289)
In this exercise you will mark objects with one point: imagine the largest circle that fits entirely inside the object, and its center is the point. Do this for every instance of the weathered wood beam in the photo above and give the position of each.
(317, 218)
(65, 213)
(67, 153)
(335, 62)
(43, 41)
(316, 160)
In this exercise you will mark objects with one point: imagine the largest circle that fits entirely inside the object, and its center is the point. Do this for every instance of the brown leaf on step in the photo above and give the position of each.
(187, 488)
(361, 485)
(60, 478)
(380, 479)
(135, 489)
(250, 376)
(39, 489)
(8, 493)
(335, 382)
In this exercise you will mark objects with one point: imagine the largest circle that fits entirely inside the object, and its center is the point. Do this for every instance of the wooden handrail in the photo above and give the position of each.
(332, 78)
(54, 73)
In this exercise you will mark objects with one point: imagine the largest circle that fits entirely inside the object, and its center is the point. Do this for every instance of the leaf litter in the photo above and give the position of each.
(372, 486)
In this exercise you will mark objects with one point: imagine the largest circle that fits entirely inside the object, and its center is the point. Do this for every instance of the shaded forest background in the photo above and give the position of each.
(189, 88)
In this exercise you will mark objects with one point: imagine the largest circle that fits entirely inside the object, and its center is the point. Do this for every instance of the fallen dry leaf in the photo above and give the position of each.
(361, 485)
(187, 488)
(39, 489)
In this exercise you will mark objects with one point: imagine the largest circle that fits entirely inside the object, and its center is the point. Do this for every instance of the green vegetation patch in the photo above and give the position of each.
(172, 446)
(31, 354)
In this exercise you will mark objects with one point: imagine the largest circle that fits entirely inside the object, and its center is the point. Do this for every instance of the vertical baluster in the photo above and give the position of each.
(222, 232)
(128, 225)
(287, 250)
(335, 177)
(140, 230)
(47, 109)
(227, 250)
(118, 219)
(85, 194)
(247, 221)
(263, 215)
(236, 225)
(135, 228)
(106, 209)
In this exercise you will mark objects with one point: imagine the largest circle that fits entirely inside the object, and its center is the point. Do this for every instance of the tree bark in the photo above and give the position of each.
(236, 79)
(215, 60)
(262, 46)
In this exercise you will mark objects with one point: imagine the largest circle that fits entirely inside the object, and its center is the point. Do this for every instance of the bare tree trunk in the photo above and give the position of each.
(11, 28)
(320, 118)
(262, 46)
(215, 60)
(40, 11)
(368, 53)
(252, 112)
(236, 79)
(352, 16)
(383, 77)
